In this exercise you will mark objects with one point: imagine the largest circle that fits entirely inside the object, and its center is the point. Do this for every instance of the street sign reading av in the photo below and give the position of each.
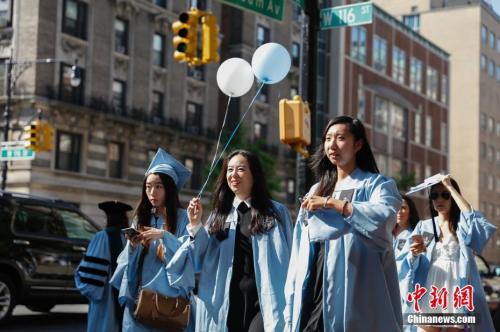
(8, 153)
(349, 15)
(270, 8)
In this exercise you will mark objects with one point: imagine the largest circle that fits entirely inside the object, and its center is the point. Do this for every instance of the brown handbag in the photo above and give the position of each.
(162, 312)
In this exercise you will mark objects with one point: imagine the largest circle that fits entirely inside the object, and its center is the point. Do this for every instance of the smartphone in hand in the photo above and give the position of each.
(130, 232)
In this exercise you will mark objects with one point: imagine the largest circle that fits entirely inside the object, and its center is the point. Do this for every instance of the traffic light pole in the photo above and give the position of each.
(6, 115)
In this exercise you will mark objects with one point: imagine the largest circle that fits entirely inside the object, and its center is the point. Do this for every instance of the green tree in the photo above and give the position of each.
(405, 181)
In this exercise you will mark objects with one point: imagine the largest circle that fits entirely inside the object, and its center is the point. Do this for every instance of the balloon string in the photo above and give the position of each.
(230, 139)
(220, 133)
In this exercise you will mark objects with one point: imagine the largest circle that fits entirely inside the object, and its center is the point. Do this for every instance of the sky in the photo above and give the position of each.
(496, 5)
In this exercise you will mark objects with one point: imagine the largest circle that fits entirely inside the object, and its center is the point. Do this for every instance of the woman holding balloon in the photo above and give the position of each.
(242, 252)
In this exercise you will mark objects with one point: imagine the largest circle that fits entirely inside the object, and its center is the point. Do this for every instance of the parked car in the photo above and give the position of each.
(491, 286)
(42, 241)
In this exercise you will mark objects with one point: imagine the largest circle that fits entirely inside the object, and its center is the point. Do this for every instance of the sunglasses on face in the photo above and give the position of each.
(445, 195)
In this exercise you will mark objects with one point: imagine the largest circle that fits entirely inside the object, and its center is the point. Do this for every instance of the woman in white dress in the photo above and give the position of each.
(443, 258)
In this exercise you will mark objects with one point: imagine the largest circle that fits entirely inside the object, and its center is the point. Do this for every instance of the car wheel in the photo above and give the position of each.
(7, 297)
(40, 307)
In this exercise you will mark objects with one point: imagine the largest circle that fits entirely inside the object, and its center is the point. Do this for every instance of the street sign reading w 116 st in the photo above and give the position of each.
(350, 15)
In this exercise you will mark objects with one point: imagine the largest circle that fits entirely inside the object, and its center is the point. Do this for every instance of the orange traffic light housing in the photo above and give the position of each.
(295, 124)
(185, 39)
(210, 33)
(47, 142)
(32, 136)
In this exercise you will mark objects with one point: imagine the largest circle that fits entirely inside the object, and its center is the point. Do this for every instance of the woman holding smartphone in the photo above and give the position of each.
(161, 225)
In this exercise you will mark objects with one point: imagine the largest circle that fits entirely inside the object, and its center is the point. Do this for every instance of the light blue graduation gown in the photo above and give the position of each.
(91, 279)
(154, 274)
(360, 283)
(214, 260)
(472, 233)
(401, 246)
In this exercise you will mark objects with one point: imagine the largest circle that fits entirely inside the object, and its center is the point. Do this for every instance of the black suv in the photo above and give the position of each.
(41, 243)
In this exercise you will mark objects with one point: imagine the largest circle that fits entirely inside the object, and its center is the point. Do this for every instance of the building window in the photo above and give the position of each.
(68, 151)
(5, 13)
(418, 128)
(290, 191)
(398, 122)
(115, 158)
(484, 61)
(358, 43)
(295, 54)
(361, 103)
(259, 131)
(432, 83)
(381, 114)
(416, 74)
(482, 121)
(157, 106)
(497, 128)
(382, 162)
(498, 73)
(3, 70)
(196, 72)
(491, 188)
(412, 21)
(444, 137)
(380, 54)
(119, 96)
(490, 152)
(428, 131)
(428, 171)
(297, 13)
(158, 50)
(498, 45)
(193, 118)
(484, 33)
(263, 35)
(398, 65)
(490, 124)
(493, 38)
(68, 92)
(161, 3)
(194, 165)
(491, 68)
(444, 89)
(121, 36)
(498, 158)
(75, 18)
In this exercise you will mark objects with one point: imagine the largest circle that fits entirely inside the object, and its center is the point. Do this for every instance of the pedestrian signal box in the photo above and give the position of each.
(295, 124)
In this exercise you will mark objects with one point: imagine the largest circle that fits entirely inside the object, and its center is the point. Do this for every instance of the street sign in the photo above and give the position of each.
(350, 15)
(270, 8)
(8, 154)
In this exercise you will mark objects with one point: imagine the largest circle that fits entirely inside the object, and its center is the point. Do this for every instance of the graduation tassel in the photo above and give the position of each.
(212, 167)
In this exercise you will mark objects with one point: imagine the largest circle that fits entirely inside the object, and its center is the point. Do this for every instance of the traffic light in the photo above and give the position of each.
(47, 141)
(295, 124)
(210, 32)
(186, 37)
(32, 135)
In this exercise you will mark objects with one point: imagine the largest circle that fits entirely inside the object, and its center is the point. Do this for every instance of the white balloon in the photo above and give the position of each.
(235, 77)
(271, 63)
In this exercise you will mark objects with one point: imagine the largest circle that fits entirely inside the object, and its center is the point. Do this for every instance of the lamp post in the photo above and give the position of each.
(11, 81)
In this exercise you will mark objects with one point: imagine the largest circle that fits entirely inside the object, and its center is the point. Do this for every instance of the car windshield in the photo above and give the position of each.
(77, 227)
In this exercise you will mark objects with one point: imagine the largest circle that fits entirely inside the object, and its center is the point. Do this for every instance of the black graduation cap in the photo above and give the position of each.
(114, 207)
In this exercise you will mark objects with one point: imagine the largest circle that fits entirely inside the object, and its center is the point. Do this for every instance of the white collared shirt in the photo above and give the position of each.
(237, 201)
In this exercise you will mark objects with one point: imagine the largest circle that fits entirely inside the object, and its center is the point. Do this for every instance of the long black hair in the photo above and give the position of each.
(323, 167)
(413, 217)
(223, 196)
(143, 210)
(454, 210)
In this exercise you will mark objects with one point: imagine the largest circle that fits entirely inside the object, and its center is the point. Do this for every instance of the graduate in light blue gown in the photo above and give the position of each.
(98, 265)
(243, 252)
(162, 225)
(342, 274)
(406, 221)
(442, 254)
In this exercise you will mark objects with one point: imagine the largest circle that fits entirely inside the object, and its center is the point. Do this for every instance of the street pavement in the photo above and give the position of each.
(61, 318)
